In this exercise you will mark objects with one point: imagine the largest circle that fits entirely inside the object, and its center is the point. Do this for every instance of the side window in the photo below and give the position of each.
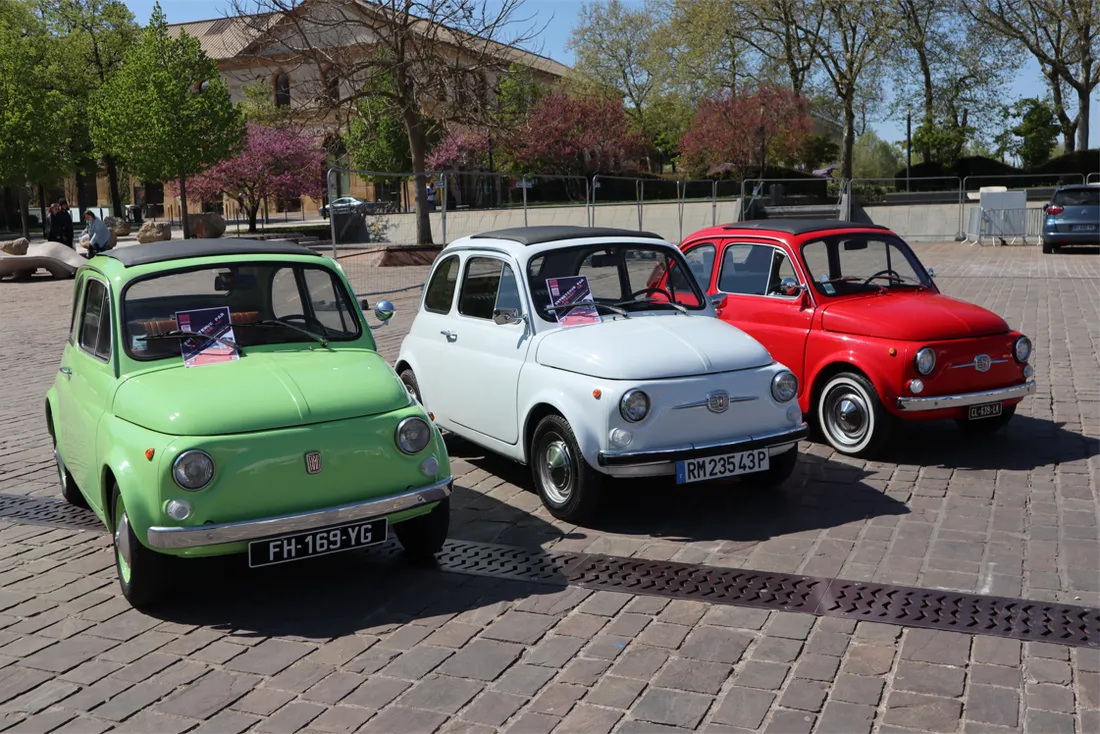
(701, 261)
(329, 308)
(441, 290)
(95, 321)
(782, 269)
(76, 307)
(508, 293)
(286, 300)
(480, 287)
(746, 269)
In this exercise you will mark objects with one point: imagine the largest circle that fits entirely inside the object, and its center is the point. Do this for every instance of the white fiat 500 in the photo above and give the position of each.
(554, 347)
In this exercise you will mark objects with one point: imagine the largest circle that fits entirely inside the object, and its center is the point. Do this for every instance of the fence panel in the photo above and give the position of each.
(1004, 226)
(1038, 185)
(380, 231)
(698, 206)
(611, 199)
(553, 199)
(928, 207)
(477, 201)
(1093, 178)
(776, 195)
(660, 207)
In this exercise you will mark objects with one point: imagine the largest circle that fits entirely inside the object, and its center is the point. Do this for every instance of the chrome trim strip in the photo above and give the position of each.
(703, 403)
(699, 450)
(912, 405)
(174, 538)
(975, 364)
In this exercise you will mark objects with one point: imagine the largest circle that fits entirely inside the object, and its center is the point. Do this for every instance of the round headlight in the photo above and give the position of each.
(413, 435)
(925, 360)
(634, 406)
(1023, 349)
(193, 470)
(784, 386)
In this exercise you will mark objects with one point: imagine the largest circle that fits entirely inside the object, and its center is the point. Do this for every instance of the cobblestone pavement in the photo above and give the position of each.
(424, 651)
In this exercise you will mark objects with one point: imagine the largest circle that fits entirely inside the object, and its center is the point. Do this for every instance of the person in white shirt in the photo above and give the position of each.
(96, 238)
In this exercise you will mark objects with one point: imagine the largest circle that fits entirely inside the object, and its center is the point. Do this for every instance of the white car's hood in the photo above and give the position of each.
(653, 347)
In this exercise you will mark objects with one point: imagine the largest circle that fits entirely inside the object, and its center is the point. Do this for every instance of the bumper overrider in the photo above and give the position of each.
(700, 450)
(962, 400)
(175, 538)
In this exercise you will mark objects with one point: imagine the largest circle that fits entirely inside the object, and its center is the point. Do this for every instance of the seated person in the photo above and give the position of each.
(96, 238)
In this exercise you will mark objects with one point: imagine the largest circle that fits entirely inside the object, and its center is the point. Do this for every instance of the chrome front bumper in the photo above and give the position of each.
(170, 538)
(913, 405)
(698, 451)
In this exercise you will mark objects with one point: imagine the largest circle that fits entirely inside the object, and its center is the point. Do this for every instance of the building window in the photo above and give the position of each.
(282, 90)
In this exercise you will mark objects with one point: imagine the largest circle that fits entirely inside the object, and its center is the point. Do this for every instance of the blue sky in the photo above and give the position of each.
(559, 17)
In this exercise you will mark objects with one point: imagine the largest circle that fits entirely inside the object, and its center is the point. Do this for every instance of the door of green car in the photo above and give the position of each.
(88, 377)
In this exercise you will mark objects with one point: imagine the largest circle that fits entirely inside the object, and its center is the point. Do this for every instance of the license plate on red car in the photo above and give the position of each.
(715, 467)
(986, 410)
(322, 542)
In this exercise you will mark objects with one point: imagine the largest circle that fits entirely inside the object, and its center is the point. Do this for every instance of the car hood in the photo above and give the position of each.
(911, 316)
(652, 347)
(261, 391)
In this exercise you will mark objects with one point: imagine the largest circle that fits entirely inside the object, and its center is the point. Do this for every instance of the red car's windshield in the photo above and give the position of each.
(862, 262)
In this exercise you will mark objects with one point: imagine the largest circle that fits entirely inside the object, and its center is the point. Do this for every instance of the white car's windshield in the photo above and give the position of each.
(629, 278)
(862, 263)
(268, 303)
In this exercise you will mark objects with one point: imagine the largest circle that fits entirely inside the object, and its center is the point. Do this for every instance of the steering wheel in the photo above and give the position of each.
(308, 322)
(659, 291)
(888, 271)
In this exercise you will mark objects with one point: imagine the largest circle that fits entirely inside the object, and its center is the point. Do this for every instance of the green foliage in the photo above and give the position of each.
(1033, 138)
(873, 157)
(152, 115)
(33, 134)
(944, 140)
(517, 93)
(258, 106)
(818, 151)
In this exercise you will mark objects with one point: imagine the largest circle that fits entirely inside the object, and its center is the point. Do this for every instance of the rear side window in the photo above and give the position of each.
(440, 293)
(76, 308)
(95, 321)
(1077, 197)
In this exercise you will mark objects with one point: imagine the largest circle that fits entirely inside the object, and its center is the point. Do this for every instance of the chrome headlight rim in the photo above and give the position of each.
(398, 437)
(176, 473)
(918, 358)
(624, 410)
(1022, 341)
(777, 390)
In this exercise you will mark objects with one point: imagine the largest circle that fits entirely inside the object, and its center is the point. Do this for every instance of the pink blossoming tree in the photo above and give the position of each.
(461, 148)
(274, 163)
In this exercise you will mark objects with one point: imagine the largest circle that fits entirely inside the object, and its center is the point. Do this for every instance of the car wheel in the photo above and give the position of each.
(851, 417)
(987, 425)
(779, 470)
(409, 379)
(1047, 247)
(69, 490)
(143, 574)
(567, 485)
(423, 536)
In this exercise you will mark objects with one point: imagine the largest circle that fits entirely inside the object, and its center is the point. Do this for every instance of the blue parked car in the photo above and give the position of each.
(1072, 217)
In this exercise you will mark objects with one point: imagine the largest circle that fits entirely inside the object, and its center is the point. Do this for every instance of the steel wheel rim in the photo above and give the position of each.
(123, 552)
(556, 469)
(847, 416)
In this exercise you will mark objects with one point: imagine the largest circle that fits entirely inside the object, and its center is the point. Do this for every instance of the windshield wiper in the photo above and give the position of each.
(655, 302)
(181, 334)
(278, 322)
(570, 306)
(900, 279)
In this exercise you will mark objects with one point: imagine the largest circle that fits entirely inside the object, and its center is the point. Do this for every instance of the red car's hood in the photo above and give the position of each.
(911, 316)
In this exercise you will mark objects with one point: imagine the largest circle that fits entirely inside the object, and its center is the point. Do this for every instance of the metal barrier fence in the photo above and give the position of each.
(971, 184)
(1004, 226)
(1091, 176)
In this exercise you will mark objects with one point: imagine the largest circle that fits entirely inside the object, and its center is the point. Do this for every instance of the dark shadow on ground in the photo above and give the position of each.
(334, 595)
(821, 494)
(1076, 250)
(1026, 443)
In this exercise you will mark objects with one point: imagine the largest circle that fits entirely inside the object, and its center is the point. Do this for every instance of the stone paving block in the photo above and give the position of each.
(376, 692)
(868, 660)
(804, 695)
(606, 647)
(1049, 722)
(525, 679)
(776, 650)
(42, 723)
(676, 708)
(333, 688)
(995, 675)
(1049, 698)
(585, 719)
(822, 642)
(715, 644)
(149, 721)
(817, 667)
(557, 699)
(41, 697)
(845, 718)
(790, 625)
(1045, 670)
(263, 701)
(341, 719)
(452, 634)
(741, 617)
(290, 718)
(762, 675)
(90, 672)
(936, 646)
(555, 604)
(682, 611)
(744, 707)
(996, 650)
(208, 695)
(693, 675)
(927, 713)
(937, 680)
(405, 638)
(605, 603)
(270, 657)
(528, 723)
(615, 692)
(640, 662)
(647, 727)
(125, 626)
(661, 634)
(419, 661)
(858, 689)
(67, 654)
(493, 708)
(1043, 650)
(628, 625)
(584, 672)
(441, 693)
(582, 625)
(990, 705)
(482, 660)
(226, 722)
(790, 722)
(137, 647)
(97, 693)
(522, 627)
(131, 701)
(554, 651)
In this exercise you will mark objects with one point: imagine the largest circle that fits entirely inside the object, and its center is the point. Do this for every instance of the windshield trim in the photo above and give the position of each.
(832, 242)
(332, 273)
(671, 251)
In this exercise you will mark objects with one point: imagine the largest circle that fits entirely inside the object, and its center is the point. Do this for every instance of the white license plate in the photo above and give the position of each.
(1083, 228)
(986, 410)
(317, 542)
(727, 465)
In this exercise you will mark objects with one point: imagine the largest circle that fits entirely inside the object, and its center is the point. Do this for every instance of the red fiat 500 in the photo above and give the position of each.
(855, 315)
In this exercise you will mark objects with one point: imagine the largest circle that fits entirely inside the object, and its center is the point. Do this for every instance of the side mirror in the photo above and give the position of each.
(383, 311)
(503, 316)
(718, 300)
(789, 287)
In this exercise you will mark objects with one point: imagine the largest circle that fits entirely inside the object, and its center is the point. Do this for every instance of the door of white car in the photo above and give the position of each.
(430, 335)
(484, 357)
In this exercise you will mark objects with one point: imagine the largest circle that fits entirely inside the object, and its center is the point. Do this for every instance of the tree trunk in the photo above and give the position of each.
(24, 213)
(1069, 126)
(42, 209)
(82, 201)
(1083, 103)
(253, 211)
(418, 148)
(112, 181)
(183, 207)
(929, 102)
(849, 134)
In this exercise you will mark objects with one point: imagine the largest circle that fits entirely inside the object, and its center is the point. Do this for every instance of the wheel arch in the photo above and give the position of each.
(537, 412)
(830, 371)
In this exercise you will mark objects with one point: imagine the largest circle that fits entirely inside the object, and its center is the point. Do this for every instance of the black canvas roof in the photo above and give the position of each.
(800, 226)
(164, 251)
(553, 233)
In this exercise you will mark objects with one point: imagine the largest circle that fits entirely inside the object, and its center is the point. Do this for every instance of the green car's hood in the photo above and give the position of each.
(261, 391)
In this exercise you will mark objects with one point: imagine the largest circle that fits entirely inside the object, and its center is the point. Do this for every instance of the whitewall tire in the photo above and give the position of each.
(850, 416)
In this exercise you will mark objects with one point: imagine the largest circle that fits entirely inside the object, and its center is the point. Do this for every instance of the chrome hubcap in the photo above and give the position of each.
(122, 538)
(847, 417)
(556, 470)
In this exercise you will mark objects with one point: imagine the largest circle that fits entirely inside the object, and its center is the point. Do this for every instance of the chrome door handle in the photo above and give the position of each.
(67, 372)
(451, 336)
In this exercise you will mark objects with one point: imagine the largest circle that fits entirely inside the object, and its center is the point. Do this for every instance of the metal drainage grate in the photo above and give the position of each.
(1020, 619)
(43, 511)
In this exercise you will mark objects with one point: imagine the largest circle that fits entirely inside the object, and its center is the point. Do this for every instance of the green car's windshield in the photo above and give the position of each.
(268, 303)
(621, 278)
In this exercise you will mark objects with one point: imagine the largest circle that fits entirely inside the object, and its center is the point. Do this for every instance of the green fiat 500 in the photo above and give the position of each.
(226, 396)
